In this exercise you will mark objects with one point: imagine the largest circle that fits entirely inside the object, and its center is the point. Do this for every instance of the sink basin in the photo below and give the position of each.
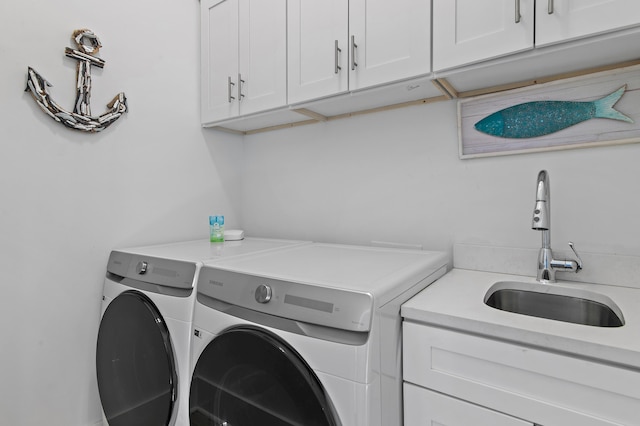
(554, 302)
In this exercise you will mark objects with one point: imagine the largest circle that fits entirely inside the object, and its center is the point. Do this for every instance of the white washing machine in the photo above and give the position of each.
(307, 336)
(143, 345)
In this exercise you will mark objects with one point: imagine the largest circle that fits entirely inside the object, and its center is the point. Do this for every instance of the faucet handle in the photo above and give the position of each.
(579, 261)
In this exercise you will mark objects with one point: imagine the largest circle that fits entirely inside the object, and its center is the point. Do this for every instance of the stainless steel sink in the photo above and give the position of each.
(554, 302)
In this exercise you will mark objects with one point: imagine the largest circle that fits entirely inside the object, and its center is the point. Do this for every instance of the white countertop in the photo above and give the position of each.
(457, 301)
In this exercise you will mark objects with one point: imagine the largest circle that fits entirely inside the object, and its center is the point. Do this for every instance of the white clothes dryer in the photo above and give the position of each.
(143, 344)
(308, 336)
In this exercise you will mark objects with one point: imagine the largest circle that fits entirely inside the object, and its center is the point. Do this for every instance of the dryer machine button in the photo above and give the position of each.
(141, 267)
(263, 293)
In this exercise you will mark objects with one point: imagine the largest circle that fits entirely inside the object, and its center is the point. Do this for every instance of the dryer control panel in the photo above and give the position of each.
(314, 304)
(152, 270)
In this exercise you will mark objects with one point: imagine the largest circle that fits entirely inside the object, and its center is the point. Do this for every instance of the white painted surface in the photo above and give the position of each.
(395, 176)
(68, 198)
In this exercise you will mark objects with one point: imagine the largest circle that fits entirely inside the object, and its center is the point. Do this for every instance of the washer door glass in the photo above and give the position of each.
(135, 363)
(248, 377)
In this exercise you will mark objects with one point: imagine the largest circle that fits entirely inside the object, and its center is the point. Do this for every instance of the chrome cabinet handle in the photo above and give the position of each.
(230, 85)
(550, 7)
(337, 53)
(240, 82)
(354, 46)
(518, 16)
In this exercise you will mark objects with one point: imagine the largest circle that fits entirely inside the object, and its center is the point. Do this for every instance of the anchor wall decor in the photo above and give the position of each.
(81, 118)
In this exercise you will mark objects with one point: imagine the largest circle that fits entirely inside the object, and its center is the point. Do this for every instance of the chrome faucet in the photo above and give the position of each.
(547, 265)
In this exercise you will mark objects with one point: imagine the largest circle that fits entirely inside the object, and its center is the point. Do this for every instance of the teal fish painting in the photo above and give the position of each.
(539, 118)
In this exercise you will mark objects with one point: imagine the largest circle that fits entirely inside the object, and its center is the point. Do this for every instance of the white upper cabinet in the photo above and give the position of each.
(318, 39)
(337, 46)
(561, 20)
(243, 57)
(389, 41)
(275, 62)
(263, 55)
(218, 59)
(466, 31)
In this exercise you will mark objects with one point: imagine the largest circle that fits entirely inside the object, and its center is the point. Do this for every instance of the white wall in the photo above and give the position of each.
(396, 176)
(69, 197)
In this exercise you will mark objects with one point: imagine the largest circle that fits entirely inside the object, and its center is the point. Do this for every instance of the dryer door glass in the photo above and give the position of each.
(135, 363)
(248, 377)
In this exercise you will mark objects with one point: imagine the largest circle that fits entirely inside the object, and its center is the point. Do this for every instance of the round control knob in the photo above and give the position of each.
(141, 267)
(263, 293)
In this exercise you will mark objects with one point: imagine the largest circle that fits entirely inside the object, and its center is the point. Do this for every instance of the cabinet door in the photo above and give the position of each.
(547, 388)
(262, 80)
(218, 59)
(318, 48)
(393, 40)
(466, 31)
(561, 20)
(425, 408)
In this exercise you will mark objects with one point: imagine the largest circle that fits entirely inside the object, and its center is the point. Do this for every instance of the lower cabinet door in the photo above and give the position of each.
(423, 407)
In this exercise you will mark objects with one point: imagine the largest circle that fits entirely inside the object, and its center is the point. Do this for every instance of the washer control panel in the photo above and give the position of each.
(152, 270)
(307, 302)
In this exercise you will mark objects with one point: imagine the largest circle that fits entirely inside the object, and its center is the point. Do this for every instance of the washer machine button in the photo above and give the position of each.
(263, 293)
(141, 267)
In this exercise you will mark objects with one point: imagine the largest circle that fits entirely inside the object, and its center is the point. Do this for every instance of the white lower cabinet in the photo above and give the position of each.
(423, 407)
(454, 378)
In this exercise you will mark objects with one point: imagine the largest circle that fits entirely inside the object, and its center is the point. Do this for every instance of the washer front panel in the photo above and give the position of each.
(314, 304)
(135, 363)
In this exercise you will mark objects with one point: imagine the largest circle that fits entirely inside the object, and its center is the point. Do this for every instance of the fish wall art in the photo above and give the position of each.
(539, 118)
(586, 110)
